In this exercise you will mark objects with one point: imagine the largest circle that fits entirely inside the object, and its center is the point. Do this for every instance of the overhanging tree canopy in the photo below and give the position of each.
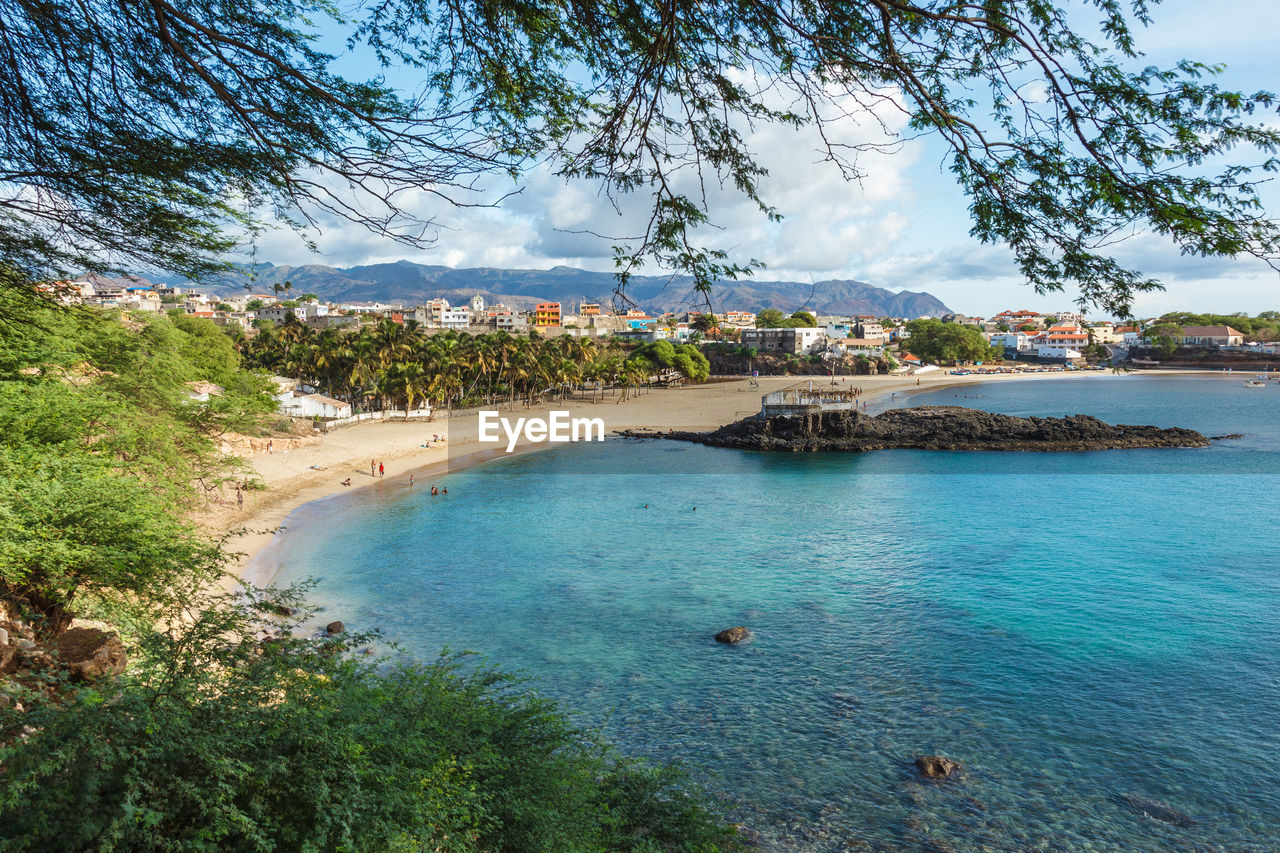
(145, 133)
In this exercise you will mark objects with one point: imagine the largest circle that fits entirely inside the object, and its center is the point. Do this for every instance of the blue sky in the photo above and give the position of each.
(905, 226)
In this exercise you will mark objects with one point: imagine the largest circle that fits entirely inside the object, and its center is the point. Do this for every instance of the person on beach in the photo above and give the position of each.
(271, 446)
(239, 498)
(373, 467)
(346, 482)
(444, 491)
(411, 481)
(434, 490)
(381, 471)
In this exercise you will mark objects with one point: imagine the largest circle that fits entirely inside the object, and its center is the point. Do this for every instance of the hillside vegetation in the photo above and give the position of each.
(231, 729)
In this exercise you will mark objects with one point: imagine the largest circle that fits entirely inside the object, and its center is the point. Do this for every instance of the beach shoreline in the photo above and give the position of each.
(294, 477)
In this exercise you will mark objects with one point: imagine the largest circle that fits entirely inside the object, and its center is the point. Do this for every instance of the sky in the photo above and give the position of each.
(903, 226)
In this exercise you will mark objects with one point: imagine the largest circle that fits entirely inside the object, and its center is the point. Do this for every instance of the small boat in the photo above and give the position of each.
(1253, 383)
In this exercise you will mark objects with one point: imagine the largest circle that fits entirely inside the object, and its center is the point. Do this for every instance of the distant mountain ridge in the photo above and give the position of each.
(412, 284)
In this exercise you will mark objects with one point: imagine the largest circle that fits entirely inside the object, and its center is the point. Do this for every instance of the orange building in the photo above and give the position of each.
(589, 309)
(547, 314)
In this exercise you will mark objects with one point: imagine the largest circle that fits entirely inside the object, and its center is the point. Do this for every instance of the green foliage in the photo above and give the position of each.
(101, 450)
(804, 319)
(74, 531)
(1165, 338)
(685, 359)
(214, 741)
(769, 318)
(934, 340)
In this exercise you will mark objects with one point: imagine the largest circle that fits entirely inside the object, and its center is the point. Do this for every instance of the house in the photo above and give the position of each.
(200, 392)
(509, 321)
(1016, 342)
(455, 318)
(638, 319)
(800, 341)
(1106, 333)
(303, 311)
(332, 321)
(431, 315)
(737, 319)
(1015, 319)
(1211, 336)
(139, 298)
(868, 330)
(1130, 335)
(1064, 345)
(314, 405)
(546, 314)
(236, 319)
(856, 346)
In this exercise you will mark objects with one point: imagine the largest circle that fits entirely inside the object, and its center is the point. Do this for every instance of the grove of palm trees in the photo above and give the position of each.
(392, 365)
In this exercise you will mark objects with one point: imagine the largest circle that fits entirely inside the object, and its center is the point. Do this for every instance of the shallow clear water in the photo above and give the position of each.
(1073, 628)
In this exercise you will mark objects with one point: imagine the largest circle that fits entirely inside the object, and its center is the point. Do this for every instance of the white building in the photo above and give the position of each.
(303, 311)
(1017, 341)
(1061, 345)
(313, 405)
(1106, 333)
(804, 340)
(455, 318)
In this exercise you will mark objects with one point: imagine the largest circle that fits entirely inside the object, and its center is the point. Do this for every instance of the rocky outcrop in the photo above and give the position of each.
(735, 634)
(936, 766)
(90, 653)
(932, 428)
(335, 628)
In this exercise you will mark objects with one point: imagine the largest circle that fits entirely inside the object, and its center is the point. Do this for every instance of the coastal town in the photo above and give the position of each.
(761, 342)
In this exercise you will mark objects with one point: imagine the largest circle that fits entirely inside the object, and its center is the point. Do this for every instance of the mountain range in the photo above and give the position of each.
(409, 283)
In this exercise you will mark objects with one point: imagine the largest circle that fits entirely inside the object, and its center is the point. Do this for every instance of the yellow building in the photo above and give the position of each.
(547, 314)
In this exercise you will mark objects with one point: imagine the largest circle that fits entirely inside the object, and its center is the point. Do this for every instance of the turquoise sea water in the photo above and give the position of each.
(1083, 632)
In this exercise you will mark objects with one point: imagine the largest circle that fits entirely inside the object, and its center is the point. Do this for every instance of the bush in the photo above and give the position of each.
(217, 745)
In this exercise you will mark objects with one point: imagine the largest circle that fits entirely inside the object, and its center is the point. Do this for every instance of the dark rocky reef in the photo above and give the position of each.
(932, 428)
(936, 767)
(736, 634)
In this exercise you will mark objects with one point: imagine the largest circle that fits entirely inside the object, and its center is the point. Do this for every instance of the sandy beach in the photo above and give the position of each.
(293, 476)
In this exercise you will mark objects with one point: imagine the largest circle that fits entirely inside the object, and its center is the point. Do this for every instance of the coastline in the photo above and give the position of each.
(406, 447)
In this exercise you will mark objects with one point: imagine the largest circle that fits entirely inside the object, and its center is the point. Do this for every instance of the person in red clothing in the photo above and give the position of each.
(381, 472)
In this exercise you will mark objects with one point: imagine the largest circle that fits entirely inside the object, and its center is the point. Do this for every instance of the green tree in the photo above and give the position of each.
(1165, 338)
(769, 318)
(933, 340)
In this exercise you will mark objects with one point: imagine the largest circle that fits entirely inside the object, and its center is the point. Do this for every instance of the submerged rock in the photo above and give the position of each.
(932, 428)
(735, 634)
(335, 628)
(936, 766)
(1152, 809)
